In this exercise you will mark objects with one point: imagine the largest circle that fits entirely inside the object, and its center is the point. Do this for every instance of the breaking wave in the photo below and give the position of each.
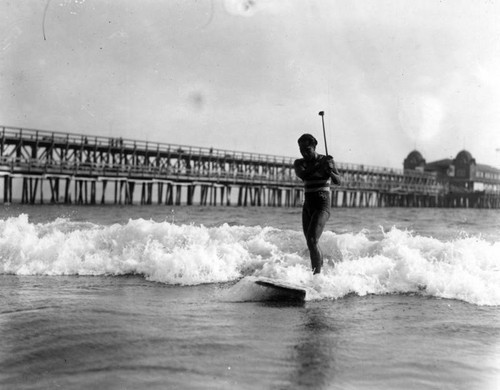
(465, 268)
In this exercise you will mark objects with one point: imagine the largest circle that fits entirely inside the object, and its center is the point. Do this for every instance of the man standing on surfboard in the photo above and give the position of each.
(317, 172)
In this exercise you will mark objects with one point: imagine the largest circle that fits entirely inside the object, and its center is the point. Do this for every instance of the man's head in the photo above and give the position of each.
(307, 146)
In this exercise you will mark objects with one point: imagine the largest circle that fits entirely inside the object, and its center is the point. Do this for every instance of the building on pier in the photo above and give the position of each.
(465, 181)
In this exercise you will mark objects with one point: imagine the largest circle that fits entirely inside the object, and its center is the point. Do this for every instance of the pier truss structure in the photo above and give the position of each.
(53, 167)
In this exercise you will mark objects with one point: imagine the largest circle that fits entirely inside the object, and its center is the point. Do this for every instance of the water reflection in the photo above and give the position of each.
(314, 353)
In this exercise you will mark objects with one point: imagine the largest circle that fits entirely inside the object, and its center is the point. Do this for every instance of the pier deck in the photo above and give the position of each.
(44, 166)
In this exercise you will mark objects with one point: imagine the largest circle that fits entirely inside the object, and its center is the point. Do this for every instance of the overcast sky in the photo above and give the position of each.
(252, 75)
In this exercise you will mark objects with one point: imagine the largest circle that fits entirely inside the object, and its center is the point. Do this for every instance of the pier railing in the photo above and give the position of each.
(48, 155)
(30, 151)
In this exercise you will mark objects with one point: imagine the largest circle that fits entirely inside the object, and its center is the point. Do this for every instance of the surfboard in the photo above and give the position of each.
(282, 290)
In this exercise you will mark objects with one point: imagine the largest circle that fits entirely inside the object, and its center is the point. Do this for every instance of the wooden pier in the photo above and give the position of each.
(41, 167)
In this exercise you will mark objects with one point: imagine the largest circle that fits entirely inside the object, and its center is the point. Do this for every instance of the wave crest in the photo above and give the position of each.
(466, 268)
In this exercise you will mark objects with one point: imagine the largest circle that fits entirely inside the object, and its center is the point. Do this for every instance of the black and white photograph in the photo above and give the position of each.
(250, 194)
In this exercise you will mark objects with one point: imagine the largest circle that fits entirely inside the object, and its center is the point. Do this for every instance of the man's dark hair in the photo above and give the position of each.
(307, 139)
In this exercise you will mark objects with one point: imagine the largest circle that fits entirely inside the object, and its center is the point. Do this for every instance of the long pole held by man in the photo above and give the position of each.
(318, 172)
(322, 115)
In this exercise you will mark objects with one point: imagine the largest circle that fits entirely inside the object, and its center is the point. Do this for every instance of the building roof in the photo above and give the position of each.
(487, 168)
(415, 155)
(445, 163)
(465, 156)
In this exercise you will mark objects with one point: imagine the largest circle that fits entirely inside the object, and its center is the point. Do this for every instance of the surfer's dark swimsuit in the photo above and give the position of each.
(315, 202)
(316, 189)
(316, 208)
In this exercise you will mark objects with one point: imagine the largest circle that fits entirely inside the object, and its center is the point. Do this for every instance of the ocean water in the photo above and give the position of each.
(157, 297)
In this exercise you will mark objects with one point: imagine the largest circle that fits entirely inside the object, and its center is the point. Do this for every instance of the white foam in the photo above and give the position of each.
(467, 268)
